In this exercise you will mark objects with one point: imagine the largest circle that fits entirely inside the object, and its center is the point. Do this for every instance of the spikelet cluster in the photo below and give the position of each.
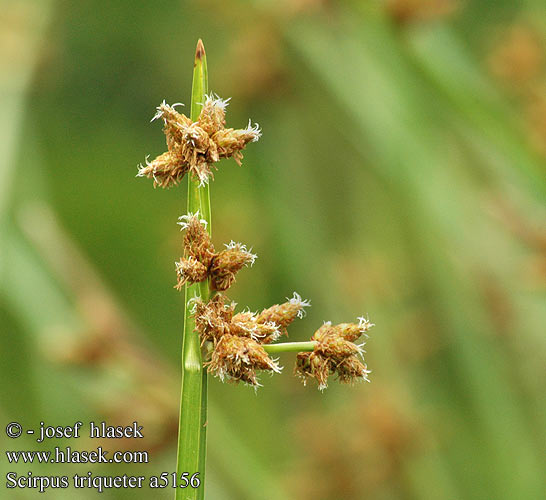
(238, 338)
(194, 147)
(335, 353)
(201, 261)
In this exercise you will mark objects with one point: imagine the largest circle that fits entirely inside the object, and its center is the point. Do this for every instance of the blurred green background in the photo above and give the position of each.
(401, 175)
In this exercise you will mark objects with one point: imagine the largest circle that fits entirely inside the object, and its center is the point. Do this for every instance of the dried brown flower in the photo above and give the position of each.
(195, 146)
(284, 314)
(226, 264)
(213, 319)
(238, 358)
(334, 353)
(216, 318)
(310, 364)
(238, 338)
(201, 260)
(197, 242)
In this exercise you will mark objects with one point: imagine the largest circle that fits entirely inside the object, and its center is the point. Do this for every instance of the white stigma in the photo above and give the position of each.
(203, 179)
(232, 245)
(216, 101)
(141, 167)
(296, 300)
(159, 111)
(186, 220)
(253, 130)
(193, 303)
(364, 325)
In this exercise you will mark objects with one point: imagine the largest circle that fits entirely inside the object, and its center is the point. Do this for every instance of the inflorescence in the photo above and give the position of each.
(201, 261)
(195, 147)
(335, 353)
(238, 341)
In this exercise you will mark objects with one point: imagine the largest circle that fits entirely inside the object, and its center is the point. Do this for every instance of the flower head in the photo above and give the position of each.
(201, 261)
(213, 319)
(195, 146)
(189, 270)
(335, 353)
(238, 359)
(237, 339)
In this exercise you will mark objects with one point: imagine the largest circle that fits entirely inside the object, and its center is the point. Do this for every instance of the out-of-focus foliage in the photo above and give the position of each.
(401, 174)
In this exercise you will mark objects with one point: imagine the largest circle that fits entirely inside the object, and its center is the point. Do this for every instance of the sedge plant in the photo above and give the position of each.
(233, 346)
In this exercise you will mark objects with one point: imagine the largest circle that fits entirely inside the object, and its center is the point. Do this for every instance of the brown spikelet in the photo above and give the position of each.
(267, 332)
(352, 331)
(197, 242)
(322, 332)
(175, 125)
(351, 369)
(334, 353)
(166, 170)
(226, 264)
(284, 314)
(189, 270)
(231, 142)
(334, 346)
(246, 324)
(213, 319)
(243, 324)
(311, 365)
(238, 358)
(213, 115)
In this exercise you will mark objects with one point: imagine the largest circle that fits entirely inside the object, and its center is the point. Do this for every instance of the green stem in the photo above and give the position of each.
(192, 434)
(290, 347)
